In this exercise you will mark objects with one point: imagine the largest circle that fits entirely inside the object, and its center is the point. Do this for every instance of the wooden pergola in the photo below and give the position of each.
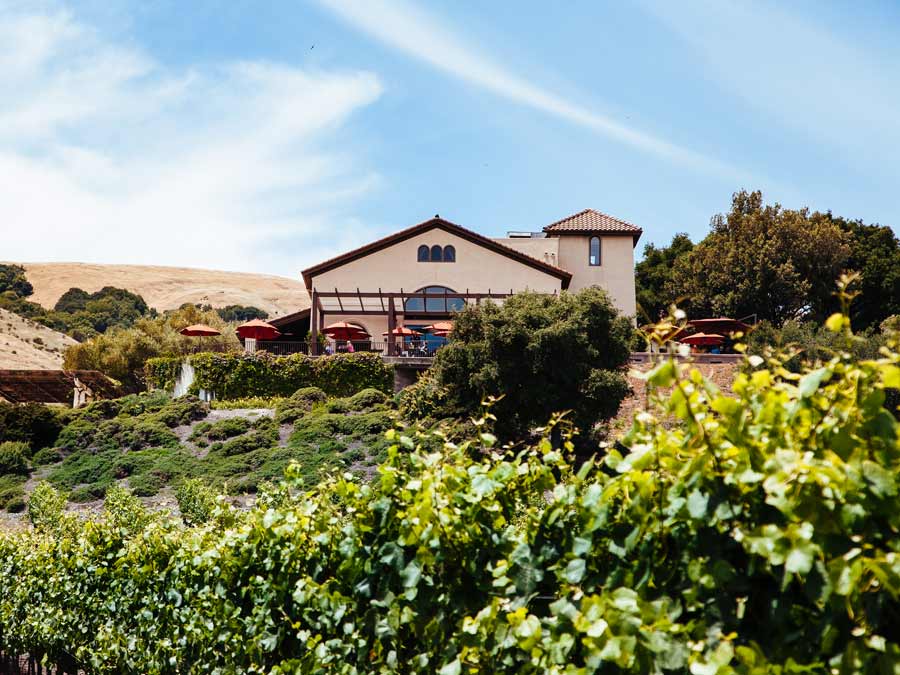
(384, 303)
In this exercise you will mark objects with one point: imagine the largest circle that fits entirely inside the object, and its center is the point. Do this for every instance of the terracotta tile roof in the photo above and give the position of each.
(447, 226)
(590, 220)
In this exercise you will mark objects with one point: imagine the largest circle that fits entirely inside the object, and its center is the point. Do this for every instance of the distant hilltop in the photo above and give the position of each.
(169, 287)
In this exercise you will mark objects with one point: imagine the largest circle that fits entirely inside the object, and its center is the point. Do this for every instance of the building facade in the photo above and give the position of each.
(426, 272)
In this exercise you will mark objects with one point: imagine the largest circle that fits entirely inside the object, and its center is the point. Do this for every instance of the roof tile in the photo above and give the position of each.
(590, 220)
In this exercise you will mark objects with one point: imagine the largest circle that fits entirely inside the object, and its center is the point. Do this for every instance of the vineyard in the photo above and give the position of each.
(753, 532)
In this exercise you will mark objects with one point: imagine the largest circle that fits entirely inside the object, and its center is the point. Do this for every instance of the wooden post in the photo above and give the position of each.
(314, 324)
(392, 323)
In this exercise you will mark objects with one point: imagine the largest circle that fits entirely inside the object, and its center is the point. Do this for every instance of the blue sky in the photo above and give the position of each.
(266, 136)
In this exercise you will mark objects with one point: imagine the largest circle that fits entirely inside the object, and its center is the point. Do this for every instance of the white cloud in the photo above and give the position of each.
(108, 156)
(421, 36)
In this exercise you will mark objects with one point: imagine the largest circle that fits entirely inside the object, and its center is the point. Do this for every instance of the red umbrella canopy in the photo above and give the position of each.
(199, 330)
(345, 331)
(258, 329)
(403, 330)
(720, 325)
(439, 327)
(703, 339)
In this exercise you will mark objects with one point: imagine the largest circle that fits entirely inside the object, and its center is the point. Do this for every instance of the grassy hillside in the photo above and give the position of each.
(169, 287)
(151, 443)
(25, 344)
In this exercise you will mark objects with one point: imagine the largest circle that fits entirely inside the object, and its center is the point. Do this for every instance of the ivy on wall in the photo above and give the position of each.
(233, 375)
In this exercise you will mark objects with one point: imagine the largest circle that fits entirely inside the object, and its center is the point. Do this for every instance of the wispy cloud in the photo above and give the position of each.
(797, 72)
(420, 35)
(109, 156)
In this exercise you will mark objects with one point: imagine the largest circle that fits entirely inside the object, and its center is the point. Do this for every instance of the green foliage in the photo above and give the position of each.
(776, 263)
(241, 375)
(743, 533)
(125, 511)
(241, 313)
(542, 354)
(12, 279)
(196, 501)
(46, 506)
(270, 402)
(425, 399)
(809, 343)
(46, 456)
(291, 409)
(32, 423)
(121, 353)
(875, 254)
(653, 277)
(12, 492)
(14, 458)
(162, 372)
(83, 315)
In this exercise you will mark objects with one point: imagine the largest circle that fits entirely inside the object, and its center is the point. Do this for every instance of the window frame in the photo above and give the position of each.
(424, 248)
(591, 262)
(437, 248)
(452, 249)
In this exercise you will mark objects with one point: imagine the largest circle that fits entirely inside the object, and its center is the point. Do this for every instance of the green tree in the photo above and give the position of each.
(12, 278)
(653, 276)
(121, 353)
(241, 313)
(542, 354)
(761, 259)
(875, 254)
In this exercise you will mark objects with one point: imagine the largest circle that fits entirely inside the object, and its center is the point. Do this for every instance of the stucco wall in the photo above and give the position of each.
(476, 269)
(542, 248)
(615, 273)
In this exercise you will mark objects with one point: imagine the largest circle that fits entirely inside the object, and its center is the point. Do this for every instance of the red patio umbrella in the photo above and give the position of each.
(345, 331)
(402, 330)
(257, 330)
(703, 339)
(720, 325)
(200, 330)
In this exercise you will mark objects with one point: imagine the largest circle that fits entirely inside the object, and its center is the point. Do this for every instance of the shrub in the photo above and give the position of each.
(45, 506)
(300, 402)
(241, 375)
(15, 504)
(269, 402)
(125, 511)
(366, 399)
(227, 428)
(542, 354)
(13, 458)
(146, 484)
(12, 490)
(196, 501)
(162, 372)
(46, 456)
(32, 423)
(422, 400)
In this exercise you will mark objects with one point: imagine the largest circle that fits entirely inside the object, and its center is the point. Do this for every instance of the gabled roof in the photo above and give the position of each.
(590, 221)
(441, 224)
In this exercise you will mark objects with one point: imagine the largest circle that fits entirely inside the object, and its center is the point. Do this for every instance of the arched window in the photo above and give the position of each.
(434, 303)
(594, 257)
(436, 253)
(422, 255)
(449, 254)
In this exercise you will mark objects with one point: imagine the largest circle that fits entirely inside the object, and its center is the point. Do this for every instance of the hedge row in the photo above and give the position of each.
(241, 375)
(751, 533)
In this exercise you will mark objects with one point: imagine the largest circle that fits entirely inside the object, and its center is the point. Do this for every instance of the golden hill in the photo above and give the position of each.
(169, 287)
(27, 345)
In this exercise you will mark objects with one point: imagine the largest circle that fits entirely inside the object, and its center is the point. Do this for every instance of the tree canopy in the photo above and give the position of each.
(542, 354)
(12, 278)
(653, 276)
(766, 260)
